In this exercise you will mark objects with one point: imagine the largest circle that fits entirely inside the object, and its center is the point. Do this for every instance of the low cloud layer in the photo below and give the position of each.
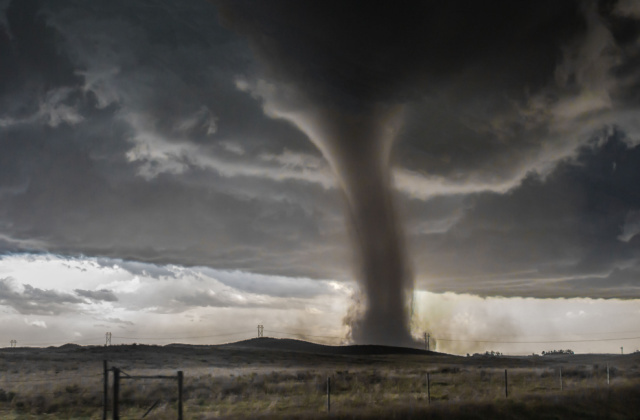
(35, 301)
(97, 295)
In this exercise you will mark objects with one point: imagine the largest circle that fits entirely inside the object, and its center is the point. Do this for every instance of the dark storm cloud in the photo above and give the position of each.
(568, 225)
(28, 47)
(360, 54)
(485, 86)
(135, 131)
(35, 301)
(488, 130)
(617, 283)
(133, 142)
(98, 295)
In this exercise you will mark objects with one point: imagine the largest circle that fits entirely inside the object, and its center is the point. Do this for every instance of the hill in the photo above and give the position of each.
(288, 344)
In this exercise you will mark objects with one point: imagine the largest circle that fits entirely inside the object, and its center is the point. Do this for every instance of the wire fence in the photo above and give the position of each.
(314, 390)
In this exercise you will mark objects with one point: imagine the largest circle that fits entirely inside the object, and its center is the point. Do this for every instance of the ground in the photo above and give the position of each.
(279, 378)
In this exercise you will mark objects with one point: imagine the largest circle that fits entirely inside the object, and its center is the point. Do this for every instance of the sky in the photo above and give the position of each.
(182, 171)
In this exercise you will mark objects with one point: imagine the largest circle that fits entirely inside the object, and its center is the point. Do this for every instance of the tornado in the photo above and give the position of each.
(358, 147)
(335, 99)
(342, 71)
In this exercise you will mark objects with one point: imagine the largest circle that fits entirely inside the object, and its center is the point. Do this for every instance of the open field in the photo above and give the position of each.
(269, 378)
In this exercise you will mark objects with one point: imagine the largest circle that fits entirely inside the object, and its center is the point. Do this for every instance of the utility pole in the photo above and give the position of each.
(427, 340)
(116, 393)
(328, 394)
(561, 385)
(621, 350)
(107, 339)
(180, 381)
(428, 388)
(105, 389)
(506, 385)
(260, 330)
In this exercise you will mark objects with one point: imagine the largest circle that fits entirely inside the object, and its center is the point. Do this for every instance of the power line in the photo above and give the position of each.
(184, 338)
(98, 339)
(538, 342)
(67, 341)
(493, 340)
(570, 333)
(303, 334)
(608, 332)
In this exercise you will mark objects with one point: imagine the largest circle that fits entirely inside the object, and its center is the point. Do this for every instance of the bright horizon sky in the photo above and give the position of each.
(226, 313)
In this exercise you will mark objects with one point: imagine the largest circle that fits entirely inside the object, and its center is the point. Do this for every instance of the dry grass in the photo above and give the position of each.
(59, 385)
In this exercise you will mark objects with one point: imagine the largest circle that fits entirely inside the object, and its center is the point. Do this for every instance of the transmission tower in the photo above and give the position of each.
(260, 330)
(14, 343)
(107, 339)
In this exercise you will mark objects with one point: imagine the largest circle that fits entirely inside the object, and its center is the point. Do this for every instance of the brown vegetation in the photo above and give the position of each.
(270, 379)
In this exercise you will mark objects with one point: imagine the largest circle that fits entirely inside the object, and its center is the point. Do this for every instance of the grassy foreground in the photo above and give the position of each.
(623, 403)
(620, 403)
(240, 383)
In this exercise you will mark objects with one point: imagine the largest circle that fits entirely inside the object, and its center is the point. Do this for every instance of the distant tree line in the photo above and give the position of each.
(547, 353)
(544, 353)
(487, 353)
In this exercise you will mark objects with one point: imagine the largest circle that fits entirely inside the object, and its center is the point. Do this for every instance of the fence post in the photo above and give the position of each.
(428, 389)
(180, 377)
(105, 390)
(506, 385)
(116, 391)
(561, 385)
(328, 394)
